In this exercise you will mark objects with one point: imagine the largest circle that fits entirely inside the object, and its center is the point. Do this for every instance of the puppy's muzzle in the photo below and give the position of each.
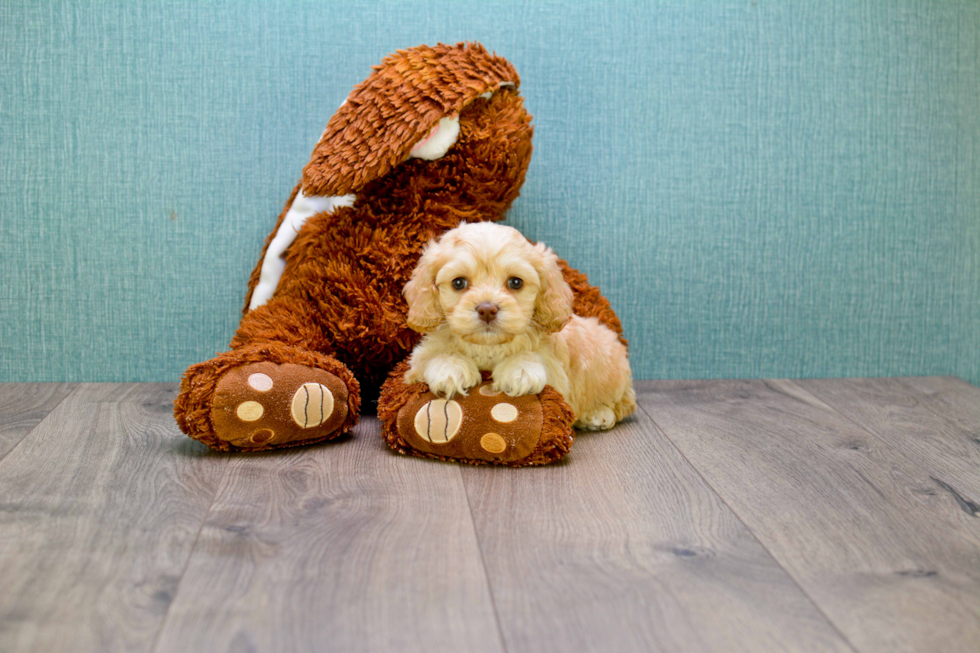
(487, 311)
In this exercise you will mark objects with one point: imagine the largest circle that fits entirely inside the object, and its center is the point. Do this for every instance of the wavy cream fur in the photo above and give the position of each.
(534, 341)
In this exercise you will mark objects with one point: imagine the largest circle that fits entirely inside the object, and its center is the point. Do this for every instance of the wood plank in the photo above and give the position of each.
(99, 509)
(623, 547)
(345, 546)
(953, 398)
(934, 433)
(949, 395)
(895, 566)
(23, 406)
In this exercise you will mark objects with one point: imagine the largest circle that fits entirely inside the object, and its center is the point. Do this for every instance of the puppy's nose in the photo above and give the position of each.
(487, 311)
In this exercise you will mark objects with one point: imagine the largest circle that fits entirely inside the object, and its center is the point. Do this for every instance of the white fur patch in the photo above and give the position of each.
(437, 143)
(273, 264)
(443, 136)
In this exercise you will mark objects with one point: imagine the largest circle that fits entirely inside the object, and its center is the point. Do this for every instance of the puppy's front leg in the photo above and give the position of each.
(447, 375)
(521, 374)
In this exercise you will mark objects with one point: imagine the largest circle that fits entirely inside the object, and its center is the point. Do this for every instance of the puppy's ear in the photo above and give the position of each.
(421, 293)
(553, 306)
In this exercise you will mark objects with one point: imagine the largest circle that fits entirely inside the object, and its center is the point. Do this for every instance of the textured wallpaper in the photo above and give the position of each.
(762, 189)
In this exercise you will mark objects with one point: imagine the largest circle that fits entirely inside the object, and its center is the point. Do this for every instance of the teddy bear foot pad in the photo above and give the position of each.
(264, 405)
(483, 426)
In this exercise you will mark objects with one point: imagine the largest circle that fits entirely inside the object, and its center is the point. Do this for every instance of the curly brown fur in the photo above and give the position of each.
(396, 107)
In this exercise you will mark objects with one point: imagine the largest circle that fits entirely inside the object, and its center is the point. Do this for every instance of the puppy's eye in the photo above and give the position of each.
(460, 283)
(515, 283)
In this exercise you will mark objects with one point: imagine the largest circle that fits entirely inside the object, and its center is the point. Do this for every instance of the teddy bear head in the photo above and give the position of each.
(446, 119)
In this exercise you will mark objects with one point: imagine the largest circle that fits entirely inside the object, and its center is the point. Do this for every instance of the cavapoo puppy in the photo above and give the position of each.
(487, 299)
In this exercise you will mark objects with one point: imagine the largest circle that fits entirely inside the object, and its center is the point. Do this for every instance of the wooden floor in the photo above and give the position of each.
(823, 515)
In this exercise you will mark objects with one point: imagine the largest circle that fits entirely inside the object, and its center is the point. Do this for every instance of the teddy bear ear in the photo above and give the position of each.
(395, 108)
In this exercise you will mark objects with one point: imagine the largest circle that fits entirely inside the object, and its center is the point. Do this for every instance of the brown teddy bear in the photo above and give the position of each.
(435, 136)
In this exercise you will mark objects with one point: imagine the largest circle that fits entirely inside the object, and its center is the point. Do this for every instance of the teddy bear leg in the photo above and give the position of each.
(483, 427)
(266, 396)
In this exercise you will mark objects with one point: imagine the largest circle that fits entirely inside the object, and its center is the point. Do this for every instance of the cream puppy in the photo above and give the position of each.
(487, 299)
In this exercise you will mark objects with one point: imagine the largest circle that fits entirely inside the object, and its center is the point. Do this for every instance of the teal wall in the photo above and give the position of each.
(761, 188)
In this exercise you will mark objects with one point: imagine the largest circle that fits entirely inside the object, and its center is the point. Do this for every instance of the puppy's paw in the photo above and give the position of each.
(597, 419)
(448, 376)
(519, 377)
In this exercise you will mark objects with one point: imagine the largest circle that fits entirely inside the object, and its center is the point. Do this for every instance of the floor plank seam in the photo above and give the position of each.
(483, 562)
(190, 556)
(74, 389)
(776, 560)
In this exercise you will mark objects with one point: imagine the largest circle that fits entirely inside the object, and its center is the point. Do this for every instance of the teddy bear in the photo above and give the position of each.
(434, 137)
